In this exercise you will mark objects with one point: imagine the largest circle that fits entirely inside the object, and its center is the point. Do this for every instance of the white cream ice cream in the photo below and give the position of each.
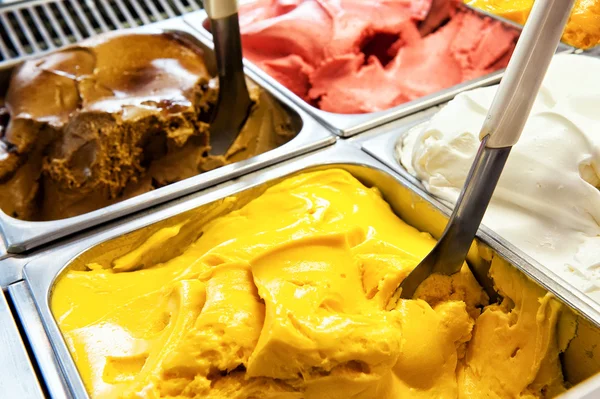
(547, 202)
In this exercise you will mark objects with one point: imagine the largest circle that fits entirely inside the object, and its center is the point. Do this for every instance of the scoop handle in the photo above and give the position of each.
(525, 72)
(217, 9)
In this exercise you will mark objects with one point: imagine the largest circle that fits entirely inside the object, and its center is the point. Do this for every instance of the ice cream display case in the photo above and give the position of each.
(83, 178)
(309, 224)
(355, 88)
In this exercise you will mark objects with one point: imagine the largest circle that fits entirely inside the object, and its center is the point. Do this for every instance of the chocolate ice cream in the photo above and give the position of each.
(114, 117)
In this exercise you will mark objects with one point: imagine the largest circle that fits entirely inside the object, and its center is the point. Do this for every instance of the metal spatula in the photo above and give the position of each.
(501, 130)
(234, 101)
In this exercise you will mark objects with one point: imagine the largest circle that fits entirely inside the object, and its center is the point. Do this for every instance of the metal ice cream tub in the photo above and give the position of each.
(22, 235)
(108, 242)
(346, 125)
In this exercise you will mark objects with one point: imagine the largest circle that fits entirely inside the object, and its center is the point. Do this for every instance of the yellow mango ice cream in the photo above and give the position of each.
(286, 298)
(583, 27)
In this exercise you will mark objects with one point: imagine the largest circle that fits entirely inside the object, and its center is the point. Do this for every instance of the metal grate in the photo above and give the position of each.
(33, 27)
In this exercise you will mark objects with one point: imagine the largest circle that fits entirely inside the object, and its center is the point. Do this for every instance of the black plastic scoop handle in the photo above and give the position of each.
(234, 101)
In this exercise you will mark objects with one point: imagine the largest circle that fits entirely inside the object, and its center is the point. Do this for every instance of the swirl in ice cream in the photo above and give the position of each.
(547, 202)
(286, 298)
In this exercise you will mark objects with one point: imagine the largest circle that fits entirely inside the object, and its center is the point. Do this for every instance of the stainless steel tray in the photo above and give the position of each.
(117, 238)
(346, 125)
(23, 235)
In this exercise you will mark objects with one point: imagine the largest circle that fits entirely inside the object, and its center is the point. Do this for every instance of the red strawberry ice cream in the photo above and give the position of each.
(359, 56)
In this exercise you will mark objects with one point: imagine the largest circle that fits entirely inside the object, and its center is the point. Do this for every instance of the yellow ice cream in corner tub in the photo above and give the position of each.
(582, 30)
(286, 298)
